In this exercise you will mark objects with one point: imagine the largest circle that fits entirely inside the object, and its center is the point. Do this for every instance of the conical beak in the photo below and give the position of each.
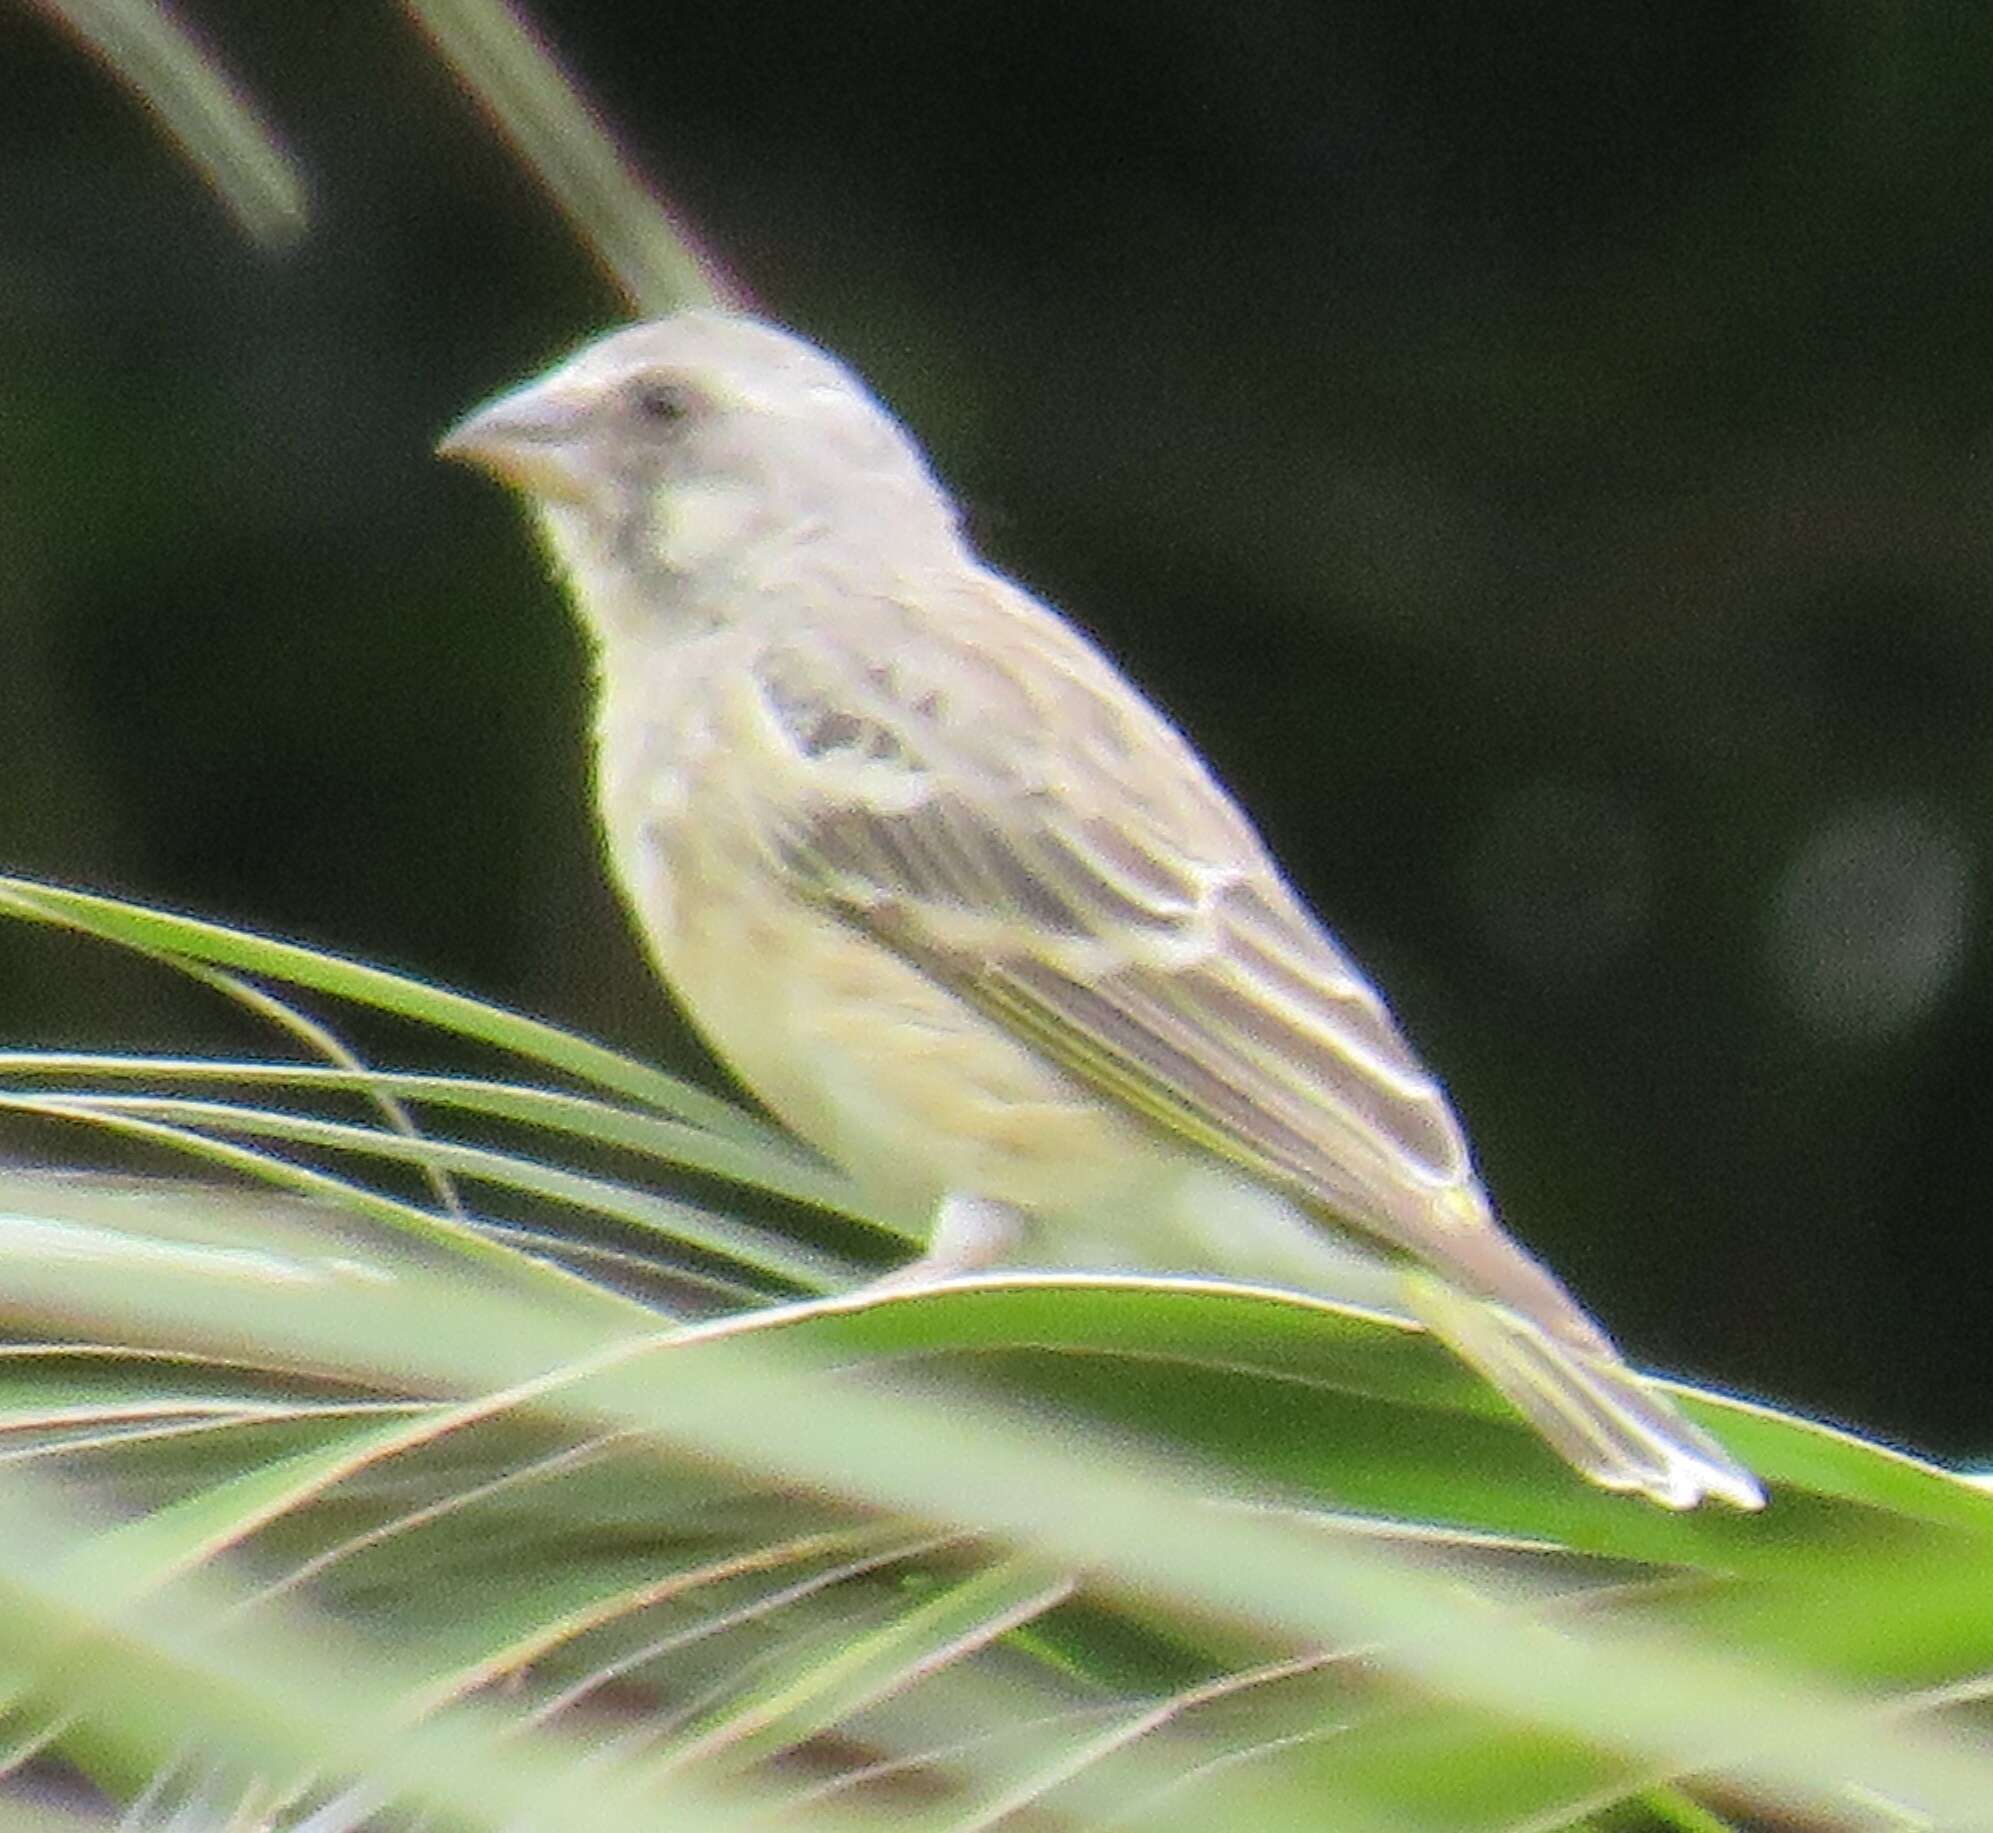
(533, 439)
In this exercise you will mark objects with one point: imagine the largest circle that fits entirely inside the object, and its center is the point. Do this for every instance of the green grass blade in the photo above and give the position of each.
(562, 141)
(678, 1224)
(197, 107)
(159, 931)
(814, 1696)
(768, 1165)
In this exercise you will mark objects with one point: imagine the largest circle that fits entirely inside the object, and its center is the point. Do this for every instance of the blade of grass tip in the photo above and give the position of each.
(517, 81)
(593, 1260)
(773, 1166)
(1144, 1785)
(62, 1425)
(810, 1696)
(321, 1039)
(888, 1545)
(147, 928)
(217, 1431)
(152, 1550)
(524, 1272)
(706, 1230)
(1124, 1726)
(197, 107)
(319, 1481)
(556, 1628)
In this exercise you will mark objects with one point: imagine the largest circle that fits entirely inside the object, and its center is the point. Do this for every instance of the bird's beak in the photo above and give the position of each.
(530, 439)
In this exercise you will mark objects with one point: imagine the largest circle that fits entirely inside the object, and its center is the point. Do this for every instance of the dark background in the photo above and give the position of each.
(1540, 451)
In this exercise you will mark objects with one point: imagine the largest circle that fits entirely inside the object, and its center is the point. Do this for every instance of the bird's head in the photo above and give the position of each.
(701, 441)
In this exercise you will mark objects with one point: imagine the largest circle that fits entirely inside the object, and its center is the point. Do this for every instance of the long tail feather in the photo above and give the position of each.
(1595, 1412)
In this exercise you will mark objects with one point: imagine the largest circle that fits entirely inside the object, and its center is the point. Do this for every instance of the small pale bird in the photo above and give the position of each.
(967, 912)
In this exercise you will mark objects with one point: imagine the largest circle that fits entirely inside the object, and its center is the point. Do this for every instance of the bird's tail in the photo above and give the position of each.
(1594, 1410)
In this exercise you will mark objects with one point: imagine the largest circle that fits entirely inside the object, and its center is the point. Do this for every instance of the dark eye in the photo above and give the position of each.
(660, 403)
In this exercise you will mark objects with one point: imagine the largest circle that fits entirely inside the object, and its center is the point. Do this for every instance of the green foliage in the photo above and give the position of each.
(333, 1500)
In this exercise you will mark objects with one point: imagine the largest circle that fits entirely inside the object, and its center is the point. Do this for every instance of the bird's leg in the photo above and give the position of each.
(970, 1233)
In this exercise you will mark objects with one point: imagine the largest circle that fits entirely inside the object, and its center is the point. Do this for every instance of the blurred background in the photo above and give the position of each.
(1539, 451)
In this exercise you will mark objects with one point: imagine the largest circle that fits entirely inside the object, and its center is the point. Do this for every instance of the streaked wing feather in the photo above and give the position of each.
(1133, 930)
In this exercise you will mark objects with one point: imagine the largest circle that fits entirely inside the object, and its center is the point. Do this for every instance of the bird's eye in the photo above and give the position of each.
(660, 403)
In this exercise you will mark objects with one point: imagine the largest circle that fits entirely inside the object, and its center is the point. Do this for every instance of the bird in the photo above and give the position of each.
(967, 912)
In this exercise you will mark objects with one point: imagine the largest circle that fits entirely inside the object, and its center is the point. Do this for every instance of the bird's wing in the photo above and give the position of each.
(1010, 817)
